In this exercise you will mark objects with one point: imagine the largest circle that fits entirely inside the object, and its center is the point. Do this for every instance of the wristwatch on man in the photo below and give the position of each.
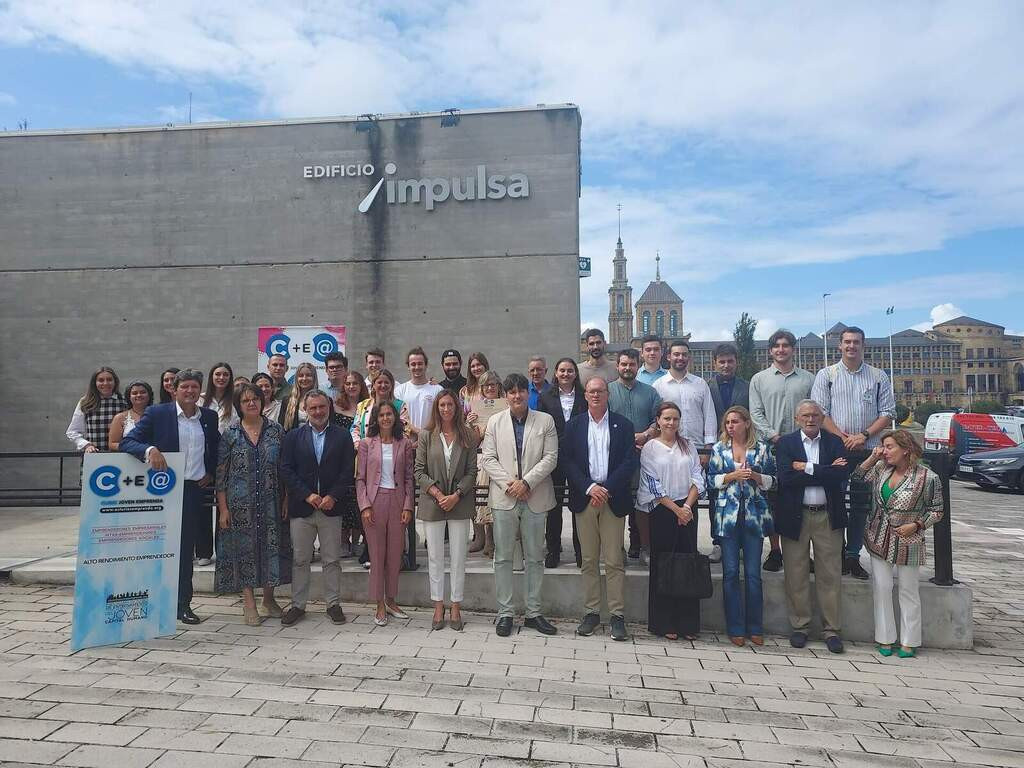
(867, 435)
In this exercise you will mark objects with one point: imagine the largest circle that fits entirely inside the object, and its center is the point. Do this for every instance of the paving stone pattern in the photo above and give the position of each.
(225, 695)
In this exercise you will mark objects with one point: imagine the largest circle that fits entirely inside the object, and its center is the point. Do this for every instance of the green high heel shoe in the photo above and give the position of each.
(906, 653)
(885, 650)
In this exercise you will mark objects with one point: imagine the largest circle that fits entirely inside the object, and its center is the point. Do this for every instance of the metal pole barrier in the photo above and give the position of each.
(60, 483)
(941, 464)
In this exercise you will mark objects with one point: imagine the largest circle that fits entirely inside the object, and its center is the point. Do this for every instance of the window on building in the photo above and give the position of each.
(947, 385)
(659, 323)
(620, 304)
(673, 323)
(991, 353)
(908, 387)
(993, 382)
(970, 354)
(927, 385)
(647, 322)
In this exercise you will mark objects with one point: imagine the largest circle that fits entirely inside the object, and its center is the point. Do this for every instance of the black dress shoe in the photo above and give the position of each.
(551, 560)
(853, 567)
(541, 624)
(590, 622)
(798, 639)
(186, 616)
(810, 564)
(773, 562)
(834, 643)
(504, 626)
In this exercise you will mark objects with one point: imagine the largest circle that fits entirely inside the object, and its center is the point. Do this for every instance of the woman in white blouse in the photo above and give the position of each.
(671, 481)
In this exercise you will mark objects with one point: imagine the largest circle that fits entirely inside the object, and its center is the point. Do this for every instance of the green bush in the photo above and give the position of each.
(902, 412)
(987, 406)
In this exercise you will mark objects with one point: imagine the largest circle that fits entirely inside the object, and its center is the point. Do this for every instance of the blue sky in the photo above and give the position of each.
(770, 153)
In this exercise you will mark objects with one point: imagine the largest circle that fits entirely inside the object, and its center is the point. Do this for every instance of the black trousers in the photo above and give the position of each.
(205, 530)
(191, 513)
(670, 615)
(553, 524)
(712, 497)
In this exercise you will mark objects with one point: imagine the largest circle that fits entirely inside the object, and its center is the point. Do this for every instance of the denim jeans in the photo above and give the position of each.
(749, 542)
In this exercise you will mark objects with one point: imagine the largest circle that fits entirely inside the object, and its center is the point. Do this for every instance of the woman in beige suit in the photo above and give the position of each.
(446, 474)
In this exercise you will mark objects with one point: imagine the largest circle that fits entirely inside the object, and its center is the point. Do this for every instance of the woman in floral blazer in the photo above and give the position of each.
(906, 499)
(742, 468)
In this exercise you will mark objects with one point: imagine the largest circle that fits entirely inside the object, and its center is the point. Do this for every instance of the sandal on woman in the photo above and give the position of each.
(252, 616)
(272, 608)
(906, 653)
(884, 650)
(671, 636)
(757, 639)
(738, 641)
(691, 638)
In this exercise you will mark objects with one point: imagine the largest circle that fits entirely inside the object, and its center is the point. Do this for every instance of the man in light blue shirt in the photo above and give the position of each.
(650, 350)
(536, 370)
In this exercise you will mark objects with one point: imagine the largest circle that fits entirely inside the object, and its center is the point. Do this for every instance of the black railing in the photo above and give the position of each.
(62, 475)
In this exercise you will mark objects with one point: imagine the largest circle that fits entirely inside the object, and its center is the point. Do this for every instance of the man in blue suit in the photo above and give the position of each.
(813, 467)
(181, 426)
(317, 464)
(598, 456)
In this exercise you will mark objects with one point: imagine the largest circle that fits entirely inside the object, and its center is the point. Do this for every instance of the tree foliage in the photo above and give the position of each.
(987, 406)
(923, 410)
(743, 337)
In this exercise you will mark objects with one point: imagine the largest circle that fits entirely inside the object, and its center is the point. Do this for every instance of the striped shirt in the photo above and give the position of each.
(854, 399)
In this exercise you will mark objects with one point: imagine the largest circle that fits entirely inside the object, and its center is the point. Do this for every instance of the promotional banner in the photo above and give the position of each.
(129, 534)
(301, 344)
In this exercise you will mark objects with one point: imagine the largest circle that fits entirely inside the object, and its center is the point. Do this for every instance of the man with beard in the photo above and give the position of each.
(696, 408)
(597, 364)
(638, 402)
(451, 363)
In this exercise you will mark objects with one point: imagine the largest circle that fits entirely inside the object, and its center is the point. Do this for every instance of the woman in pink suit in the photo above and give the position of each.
(384, 490)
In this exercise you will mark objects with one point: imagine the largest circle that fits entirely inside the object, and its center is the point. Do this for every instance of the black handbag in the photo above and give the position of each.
(684, 575)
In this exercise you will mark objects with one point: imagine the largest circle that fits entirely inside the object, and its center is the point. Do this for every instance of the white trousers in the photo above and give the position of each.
(458, 541)
(910, 603)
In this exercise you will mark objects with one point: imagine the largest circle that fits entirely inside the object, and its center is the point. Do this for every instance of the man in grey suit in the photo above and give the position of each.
(519, 452)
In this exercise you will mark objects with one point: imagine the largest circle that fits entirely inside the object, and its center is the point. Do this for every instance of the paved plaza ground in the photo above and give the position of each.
(225, 695)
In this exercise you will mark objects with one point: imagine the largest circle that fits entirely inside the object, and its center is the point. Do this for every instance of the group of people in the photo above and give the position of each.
(629, 440)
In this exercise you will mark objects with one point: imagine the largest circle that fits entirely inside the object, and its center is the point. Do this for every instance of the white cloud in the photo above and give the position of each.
(741, 136)
(940, 313)
(7, 99)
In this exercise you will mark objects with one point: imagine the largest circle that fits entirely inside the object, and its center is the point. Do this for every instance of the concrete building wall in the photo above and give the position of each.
(142, 249)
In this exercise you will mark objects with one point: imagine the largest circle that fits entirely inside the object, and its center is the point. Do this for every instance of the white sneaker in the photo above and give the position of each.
(204, 561)
(716, 554)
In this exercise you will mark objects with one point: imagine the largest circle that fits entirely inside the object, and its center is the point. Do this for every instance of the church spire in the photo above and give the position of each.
(657, 267)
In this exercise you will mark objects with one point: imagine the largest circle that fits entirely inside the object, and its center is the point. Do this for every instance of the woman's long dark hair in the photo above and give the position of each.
(577, 387)
(165, 396)
(465, 435)
(472, 382)
(91, 399)
(225, 399)
(373, 428)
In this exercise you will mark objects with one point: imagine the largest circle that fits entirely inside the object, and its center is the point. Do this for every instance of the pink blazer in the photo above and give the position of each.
(368, 467)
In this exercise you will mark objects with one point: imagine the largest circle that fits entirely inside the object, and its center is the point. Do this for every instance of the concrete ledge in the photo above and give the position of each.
(948, 611)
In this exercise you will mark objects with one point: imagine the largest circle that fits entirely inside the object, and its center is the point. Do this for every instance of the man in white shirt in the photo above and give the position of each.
(598, 457)
(697, 413)
(418, 393)
(181, 426)
(812, 468)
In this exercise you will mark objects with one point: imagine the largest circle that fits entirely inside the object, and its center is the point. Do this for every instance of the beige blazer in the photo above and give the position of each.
(540, 457)
(432, 469)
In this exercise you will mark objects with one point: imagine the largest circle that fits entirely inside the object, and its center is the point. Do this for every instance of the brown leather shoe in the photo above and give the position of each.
(737, 641)
(757, 639)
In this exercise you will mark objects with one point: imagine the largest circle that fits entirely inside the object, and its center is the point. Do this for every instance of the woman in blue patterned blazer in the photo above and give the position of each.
(742, 468)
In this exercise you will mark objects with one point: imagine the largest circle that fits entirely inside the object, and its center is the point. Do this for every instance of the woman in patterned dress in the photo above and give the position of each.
(906, 498)
(254, 548)
(89, 429)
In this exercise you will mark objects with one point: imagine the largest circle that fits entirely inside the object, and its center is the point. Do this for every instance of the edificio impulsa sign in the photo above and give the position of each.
(428, 192)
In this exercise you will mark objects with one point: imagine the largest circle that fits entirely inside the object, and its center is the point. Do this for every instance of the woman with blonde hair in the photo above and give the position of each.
(305, 381)
(906, 499)
(476, 368)
(742, 468)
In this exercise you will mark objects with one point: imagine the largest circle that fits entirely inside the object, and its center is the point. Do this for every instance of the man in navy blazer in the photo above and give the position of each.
(813, 467)
(181, 426)
(317, 464)
(598, 457)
